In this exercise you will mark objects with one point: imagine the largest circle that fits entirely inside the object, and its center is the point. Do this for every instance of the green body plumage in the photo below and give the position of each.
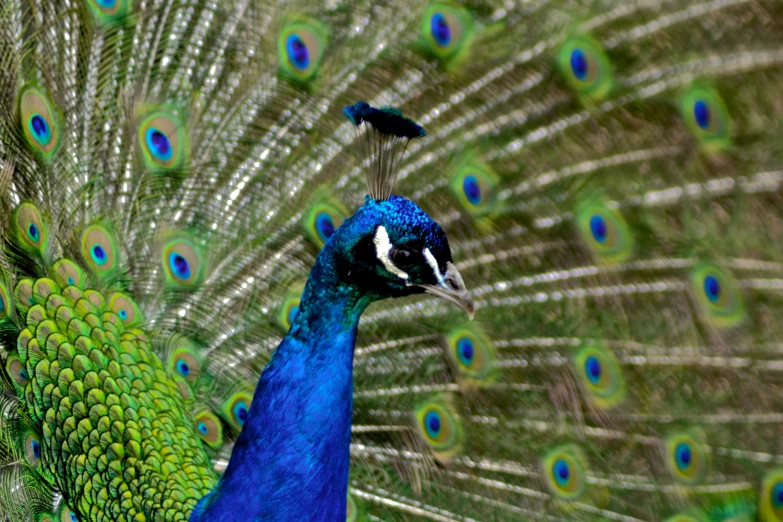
(609, 177)
(110, 412)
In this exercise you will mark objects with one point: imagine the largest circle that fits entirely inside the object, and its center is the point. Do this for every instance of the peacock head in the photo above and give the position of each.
(392, 248)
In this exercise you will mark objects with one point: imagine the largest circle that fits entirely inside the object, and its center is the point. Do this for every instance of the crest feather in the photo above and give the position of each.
(385, 139)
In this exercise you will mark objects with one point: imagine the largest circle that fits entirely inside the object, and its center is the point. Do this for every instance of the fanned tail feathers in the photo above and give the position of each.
(609, 174)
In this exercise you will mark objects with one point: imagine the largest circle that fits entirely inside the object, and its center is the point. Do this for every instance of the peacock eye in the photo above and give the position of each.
(402, 257)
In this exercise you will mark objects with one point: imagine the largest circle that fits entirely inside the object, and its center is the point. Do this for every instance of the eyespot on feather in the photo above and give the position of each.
(474, 184)
(586, 68)
(23, 296)
(600, 375)
(236, 407)
(289, 307)
(322, 218)
(209, 428)
(5, 301)
(32, 449)
(354, 509)
(68, 273)
(771, 496)
(185, 360)
(707, 117)
(564, 470)
(718, 295)
(30, 231)
(126, 309)
(40, 122)
(686, 458)
(17, 371)
(439, 427)
(100, 250)
(603, 230)
(110, 12)
(163, 139)
(183, 260)
(301, 46)
(472, 354)
(447, 32)
(66, 514)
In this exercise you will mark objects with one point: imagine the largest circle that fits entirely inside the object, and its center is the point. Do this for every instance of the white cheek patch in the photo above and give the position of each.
(382, 248)
(434, 265)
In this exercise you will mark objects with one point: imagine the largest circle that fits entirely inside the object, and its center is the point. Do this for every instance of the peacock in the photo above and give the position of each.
(388, 261)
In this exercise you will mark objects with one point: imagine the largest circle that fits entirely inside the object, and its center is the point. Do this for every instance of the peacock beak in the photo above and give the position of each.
(452, 288)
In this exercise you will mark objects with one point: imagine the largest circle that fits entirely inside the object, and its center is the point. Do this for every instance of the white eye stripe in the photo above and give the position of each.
(434, 265)
(382, 248)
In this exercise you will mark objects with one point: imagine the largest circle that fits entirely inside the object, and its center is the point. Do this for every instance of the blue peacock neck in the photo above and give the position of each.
(291, 460)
